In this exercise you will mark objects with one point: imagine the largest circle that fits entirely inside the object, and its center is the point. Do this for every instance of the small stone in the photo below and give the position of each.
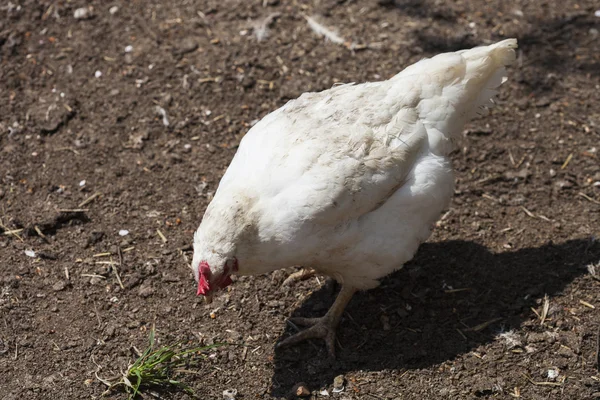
(58, 286)
(134, 324)
(83, 13)
(563, 184)
(95, 280)
(229, 394)
(275, 304)
(123, 232)
(113, 10)
(552, 374)
(145, 291)
(338, 384)
(187, 46)
(566, 352)
(301, 390)
(94, 238)
(30, 253)
(110, 331)
(385, 322)
(248, 82)
(535, 337)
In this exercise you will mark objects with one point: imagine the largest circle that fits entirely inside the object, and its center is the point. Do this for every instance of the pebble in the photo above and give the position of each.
(58, 286)
(83, 13)
(145, 291)
(95, 280)
(113, 10)
(229, 394)
(338, 384)
(301, 390)
(187, 46)
(553, 374)
(566, 352)
(30, 253)
(123, 232)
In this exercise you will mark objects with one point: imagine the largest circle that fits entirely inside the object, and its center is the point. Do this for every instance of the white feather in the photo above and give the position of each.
(324, 31)
(349, 181)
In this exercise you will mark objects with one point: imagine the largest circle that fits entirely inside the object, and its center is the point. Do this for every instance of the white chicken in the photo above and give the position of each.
(348, 181)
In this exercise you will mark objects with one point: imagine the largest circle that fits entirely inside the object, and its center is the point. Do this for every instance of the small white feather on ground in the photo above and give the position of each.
(260, 28)
(324, 31)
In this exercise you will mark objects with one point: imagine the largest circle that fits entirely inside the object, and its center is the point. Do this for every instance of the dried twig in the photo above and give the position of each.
(542, 383)
(89, 199)
(532, 215)
(588, 198)
(529, 213)
(162, 237)
(120, 254)
(585, 303)
(106, 254)
(483, 325)
(598, 350)
(14, 232)
(93, 276)
(461, 334)
(569, 157)
(40, 233)
(116, 272)
(301, 275)
(457, 290)
(545, 308)
(97, 315)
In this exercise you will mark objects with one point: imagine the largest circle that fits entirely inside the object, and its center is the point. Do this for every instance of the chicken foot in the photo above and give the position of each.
(323, 327)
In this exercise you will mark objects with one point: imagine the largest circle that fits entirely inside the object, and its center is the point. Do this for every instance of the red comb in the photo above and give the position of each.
(203, 278)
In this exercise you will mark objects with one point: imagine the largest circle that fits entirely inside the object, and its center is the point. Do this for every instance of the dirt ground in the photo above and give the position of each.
(500, 303)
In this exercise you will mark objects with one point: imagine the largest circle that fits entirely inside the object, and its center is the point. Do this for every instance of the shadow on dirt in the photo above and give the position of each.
(546, 48)
(417, 317)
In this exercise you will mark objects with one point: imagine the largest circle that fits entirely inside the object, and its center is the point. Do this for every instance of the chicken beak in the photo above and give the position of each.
(208, 298)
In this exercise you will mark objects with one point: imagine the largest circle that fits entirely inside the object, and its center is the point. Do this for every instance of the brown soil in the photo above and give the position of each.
(522, 225)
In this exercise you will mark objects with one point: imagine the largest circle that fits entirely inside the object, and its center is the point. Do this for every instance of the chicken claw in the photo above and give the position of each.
(323, 327)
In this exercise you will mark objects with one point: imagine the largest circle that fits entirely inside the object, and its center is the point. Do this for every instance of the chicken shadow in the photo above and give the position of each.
(453, 297)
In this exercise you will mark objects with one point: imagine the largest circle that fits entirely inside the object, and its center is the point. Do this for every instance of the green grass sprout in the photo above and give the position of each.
(159, 369)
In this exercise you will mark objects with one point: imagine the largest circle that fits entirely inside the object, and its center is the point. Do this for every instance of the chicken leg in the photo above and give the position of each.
(325, 326)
